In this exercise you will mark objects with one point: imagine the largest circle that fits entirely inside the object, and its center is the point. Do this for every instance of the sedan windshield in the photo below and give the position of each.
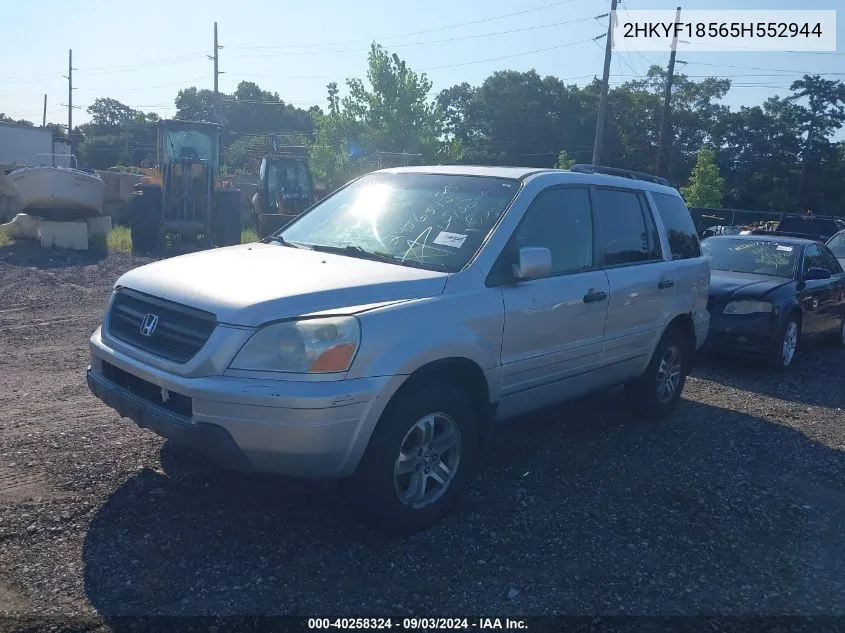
(432, 221)
(763, 257)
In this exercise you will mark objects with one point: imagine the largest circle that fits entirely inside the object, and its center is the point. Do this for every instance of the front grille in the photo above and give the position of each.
(179, 333)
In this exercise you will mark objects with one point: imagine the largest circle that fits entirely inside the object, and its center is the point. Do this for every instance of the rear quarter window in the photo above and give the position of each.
(680, 229)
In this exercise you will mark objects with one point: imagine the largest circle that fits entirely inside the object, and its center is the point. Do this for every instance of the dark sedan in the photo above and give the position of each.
(770, 293)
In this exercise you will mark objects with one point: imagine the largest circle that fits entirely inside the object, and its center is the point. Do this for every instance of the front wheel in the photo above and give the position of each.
(656, 393)
(419, 460)
(785, 346)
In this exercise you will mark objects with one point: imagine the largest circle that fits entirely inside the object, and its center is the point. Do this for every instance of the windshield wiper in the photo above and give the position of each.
(356, 251)
(278, 239)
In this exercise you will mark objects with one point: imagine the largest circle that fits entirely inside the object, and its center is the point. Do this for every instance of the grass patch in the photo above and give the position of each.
(119, 239)
(5, 238)
(248, 235)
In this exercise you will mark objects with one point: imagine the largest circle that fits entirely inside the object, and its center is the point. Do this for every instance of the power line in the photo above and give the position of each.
(427, 42)
(423, 32)
(496, 59)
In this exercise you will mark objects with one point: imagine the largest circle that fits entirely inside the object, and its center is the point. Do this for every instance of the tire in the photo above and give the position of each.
(779, 358)
(227, 225)
(376, 487)
(655, 394)
(143, 219)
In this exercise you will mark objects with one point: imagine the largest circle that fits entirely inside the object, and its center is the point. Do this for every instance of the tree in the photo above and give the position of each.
(8, 119)
(705, 185)
(391, 114)
(563, 160)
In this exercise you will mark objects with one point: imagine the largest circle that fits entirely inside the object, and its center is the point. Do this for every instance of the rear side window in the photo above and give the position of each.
(625, 231)
(680, 229)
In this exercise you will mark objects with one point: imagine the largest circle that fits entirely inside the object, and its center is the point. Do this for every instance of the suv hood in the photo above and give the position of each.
(251, 284)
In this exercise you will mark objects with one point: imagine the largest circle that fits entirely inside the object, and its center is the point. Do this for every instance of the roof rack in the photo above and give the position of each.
(583, 168)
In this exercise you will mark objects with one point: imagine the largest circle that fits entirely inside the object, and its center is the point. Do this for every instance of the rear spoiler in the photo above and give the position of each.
(806, 236)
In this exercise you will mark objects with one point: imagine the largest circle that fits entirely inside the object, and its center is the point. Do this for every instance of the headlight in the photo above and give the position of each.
(319, 345)
(747, 307)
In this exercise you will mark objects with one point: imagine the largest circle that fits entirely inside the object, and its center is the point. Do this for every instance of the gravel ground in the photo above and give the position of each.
(736, 505)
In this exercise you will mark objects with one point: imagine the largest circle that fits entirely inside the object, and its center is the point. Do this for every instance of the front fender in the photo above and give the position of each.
(400, 339)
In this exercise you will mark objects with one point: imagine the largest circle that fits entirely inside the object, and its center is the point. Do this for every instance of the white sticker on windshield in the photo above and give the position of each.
(787, 249)
(455, 240)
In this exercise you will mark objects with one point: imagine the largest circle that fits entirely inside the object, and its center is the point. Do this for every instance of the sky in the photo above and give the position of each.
(142, 54)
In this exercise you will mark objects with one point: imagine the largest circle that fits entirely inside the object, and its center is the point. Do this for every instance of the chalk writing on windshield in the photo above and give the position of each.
(447, 210)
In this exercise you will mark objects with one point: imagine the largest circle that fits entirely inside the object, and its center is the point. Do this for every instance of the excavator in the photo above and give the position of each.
(285, 187)
(183, 202)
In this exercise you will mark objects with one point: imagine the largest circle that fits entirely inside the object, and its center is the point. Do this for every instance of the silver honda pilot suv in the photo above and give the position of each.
(379, 336)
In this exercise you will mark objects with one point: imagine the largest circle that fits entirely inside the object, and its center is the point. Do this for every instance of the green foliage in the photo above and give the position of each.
(563, 160)
(8, 119)
(705, 185)
(248, 236)
(391, 114)
(119, 239)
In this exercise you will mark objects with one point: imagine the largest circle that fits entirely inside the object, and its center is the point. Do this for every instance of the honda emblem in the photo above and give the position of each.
(149, 324)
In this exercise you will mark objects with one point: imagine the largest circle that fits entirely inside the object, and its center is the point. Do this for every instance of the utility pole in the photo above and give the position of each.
(44, 114)
(602, 115)
(70, 90)
(667, 98)
(216, 58)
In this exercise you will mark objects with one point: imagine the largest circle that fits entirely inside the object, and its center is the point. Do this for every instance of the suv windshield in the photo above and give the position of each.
(431, 221)
(762, 257)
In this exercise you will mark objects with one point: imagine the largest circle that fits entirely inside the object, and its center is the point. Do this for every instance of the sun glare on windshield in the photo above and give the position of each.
(369, 204)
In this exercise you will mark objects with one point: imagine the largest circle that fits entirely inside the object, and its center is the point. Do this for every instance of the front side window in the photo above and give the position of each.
(432, 221)
(625, 233)
(560, 220)
(761, 257)
(829, 262)
(812, 258)
(680, 229)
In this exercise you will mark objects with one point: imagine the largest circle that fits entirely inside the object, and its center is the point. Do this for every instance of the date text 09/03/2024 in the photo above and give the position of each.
(416, 624)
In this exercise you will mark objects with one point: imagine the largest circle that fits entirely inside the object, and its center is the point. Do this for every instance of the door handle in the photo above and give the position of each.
(595, 295)
(665, 283)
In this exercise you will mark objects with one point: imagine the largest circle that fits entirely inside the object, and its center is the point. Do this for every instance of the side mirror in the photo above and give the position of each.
(817, 273)
(534, 262)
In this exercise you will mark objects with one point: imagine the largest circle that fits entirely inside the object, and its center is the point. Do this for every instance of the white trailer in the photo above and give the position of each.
(23, 146)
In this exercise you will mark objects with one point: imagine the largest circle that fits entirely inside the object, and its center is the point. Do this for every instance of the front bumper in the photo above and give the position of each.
(741, 334)
(301, 429)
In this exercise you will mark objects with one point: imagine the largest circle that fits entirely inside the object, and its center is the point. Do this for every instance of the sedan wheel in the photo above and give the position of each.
(790, 343)
(786, 348)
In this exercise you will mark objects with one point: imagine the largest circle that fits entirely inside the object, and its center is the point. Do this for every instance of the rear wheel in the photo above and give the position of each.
(656, 393)
(419, 460)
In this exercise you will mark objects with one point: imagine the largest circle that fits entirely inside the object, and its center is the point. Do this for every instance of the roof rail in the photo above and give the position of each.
(583, 168)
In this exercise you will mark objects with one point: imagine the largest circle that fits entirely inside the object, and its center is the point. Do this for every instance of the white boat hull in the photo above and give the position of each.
(59, 189)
